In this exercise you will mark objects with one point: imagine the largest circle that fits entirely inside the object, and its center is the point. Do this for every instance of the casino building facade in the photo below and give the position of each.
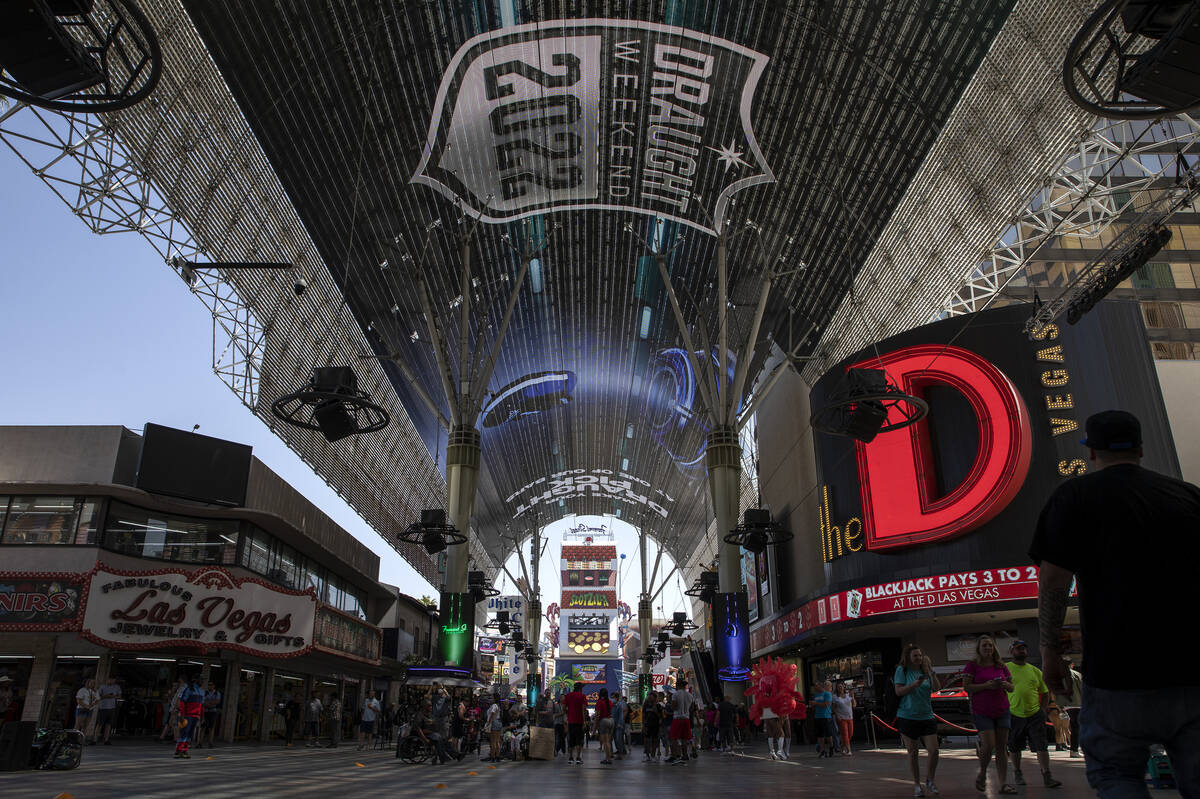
(921, 535)
(107, 570)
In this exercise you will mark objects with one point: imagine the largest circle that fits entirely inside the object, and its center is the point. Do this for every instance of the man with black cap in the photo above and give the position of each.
(1130, 538)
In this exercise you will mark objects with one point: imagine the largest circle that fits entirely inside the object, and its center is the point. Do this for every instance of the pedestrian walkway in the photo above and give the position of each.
(250, 771)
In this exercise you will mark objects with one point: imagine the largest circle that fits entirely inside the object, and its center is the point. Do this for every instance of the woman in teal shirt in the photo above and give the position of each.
(915, 682)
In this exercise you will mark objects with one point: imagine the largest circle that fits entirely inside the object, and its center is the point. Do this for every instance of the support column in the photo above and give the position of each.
(103, 669)
(40, 673)
(645, 625)
(267, 716)
(230, 698)
(462, 476)
(724, 460)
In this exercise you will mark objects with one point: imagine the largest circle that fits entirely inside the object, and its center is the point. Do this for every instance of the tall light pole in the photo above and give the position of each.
(464, 390)
(726, 404)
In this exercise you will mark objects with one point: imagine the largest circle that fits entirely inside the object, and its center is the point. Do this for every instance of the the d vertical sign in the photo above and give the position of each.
(896, 470)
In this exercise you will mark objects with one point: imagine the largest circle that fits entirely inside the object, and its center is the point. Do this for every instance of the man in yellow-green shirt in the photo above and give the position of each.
(1027, 704)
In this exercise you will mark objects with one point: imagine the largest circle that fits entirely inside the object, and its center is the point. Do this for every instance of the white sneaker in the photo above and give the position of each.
(931, 789)
(918, 791)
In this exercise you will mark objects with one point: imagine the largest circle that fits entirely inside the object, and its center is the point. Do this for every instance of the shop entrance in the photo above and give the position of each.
(70, 674)
(250, 705)
(14, 685)
(351, 710)
(148, 686)
(288, 688)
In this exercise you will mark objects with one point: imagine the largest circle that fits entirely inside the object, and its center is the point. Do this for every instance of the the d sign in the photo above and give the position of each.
(896, 470)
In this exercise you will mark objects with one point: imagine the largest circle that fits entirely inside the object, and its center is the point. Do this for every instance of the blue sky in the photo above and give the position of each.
(98, 330)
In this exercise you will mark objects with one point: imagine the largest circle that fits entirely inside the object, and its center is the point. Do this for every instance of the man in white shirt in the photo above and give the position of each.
(110, 694)
(366, 727)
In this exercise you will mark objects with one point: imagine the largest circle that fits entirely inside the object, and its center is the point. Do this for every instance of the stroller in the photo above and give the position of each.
(57, 749)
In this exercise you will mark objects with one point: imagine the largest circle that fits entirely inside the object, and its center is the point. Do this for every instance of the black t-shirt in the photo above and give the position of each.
(1132, 538)
(726, 714)
(650, 716)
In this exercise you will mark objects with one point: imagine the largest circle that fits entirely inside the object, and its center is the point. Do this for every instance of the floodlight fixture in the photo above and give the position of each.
(705, 587)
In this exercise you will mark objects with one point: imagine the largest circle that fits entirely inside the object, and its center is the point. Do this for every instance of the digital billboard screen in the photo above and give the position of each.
(589, 672)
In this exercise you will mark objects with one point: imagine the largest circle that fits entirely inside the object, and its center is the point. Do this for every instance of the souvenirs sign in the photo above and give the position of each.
(207, 608)
(36, 601)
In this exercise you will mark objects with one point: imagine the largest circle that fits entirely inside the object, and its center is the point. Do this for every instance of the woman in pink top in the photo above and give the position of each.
(988, 682)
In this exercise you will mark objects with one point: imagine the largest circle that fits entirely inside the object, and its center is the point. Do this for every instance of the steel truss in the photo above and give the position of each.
(185, 171)
(80, 158)
(1114, 172)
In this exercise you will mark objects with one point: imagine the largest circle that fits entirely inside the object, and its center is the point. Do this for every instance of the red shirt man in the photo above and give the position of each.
(576, 704)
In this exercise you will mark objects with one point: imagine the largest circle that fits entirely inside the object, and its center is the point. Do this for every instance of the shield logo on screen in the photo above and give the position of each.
(601, 114)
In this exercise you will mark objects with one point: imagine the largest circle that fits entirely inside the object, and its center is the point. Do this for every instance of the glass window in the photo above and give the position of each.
(256, 550)
(313, 578)
(3, 514)
(285, 570)
(89, 519)
(1162, 314)
(1153, 276)
(153, 534)
(41, 520)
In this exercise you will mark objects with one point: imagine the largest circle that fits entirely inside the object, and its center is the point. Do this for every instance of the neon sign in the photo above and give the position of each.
(589, 599)
(896, 470)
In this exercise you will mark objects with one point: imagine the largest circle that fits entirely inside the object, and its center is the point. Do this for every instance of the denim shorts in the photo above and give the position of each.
(988, 723)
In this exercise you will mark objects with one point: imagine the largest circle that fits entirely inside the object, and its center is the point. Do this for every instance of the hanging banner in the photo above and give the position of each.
(344, 635)
(513, 603)
(206, 608)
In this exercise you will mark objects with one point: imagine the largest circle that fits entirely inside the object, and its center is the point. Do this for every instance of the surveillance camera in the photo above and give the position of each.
(300, 286)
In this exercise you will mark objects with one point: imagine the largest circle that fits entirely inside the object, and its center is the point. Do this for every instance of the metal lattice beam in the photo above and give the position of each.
(78, 156)
(1110, 174)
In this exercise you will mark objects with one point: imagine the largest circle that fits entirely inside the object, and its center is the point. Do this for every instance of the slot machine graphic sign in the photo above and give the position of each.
(589, 604)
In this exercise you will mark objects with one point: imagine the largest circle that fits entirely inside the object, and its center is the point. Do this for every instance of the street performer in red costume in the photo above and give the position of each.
(773, 687)
(191, 709)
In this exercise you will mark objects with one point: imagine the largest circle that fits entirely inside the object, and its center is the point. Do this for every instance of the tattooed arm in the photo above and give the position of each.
(1054, 584)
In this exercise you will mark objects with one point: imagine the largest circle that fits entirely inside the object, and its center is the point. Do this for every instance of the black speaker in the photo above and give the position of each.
(335, 380)
(16, 745)
(756, 516)
(433, 517)
(335, 420)
(865, 421)
(1169, 73)
(41, 56)
(867, 417)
